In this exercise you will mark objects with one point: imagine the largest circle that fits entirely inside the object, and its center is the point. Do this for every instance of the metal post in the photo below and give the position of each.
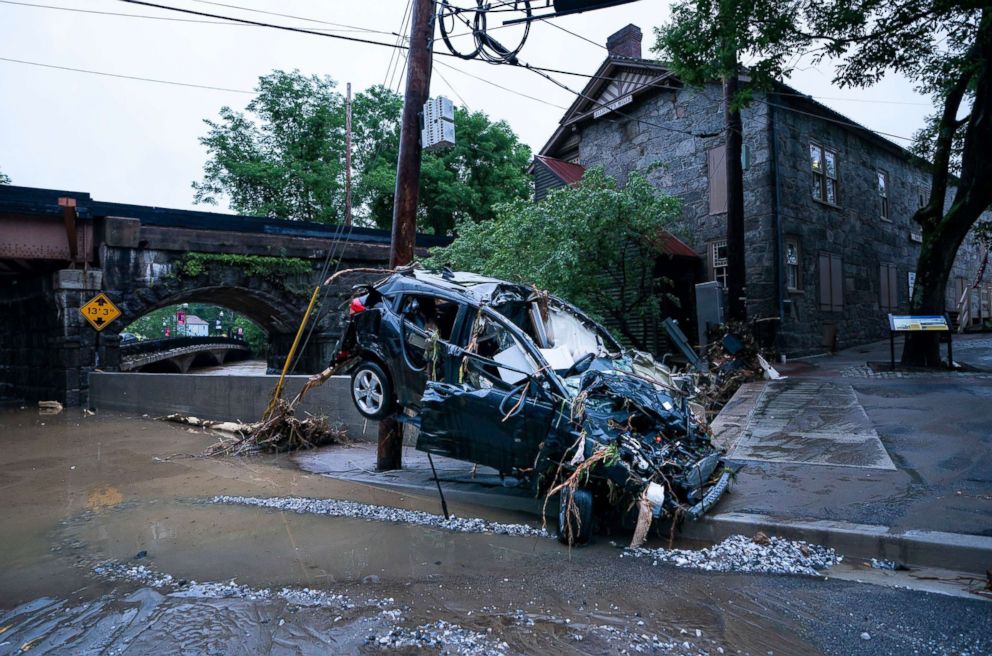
(892, 348)
(418, 83)
(347, 158)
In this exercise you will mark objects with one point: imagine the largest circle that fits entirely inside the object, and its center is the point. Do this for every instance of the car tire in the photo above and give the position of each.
(372, 391)
(574, 529)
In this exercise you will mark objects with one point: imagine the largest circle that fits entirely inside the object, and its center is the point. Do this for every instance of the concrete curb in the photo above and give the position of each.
(952, 551)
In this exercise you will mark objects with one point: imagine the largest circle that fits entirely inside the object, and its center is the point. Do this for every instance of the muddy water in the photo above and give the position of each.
(79, 490)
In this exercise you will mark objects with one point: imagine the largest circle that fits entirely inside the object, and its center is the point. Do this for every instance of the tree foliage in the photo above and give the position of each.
(4, 178)
(584, 243)
(704, 39)
(285, 157)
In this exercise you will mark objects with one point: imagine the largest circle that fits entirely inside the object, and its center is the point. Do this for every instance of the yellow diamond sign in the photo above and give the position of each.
(100, 311)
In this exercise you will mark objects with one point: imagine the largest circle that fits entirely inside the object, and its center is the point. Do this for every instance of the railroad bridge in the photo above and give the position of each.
(59, 248)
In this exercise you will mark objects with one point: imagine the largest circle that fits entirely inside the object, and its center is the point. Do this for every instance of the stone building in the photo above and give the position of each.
(831, 247)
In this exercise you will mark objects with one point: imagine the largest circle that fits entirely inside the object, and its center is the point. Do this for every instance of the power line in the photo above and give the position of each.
(500, 86)
(542, 71)
(125, 77)
(302, 18)
(169, 19)
(395, 54)
(450, 86)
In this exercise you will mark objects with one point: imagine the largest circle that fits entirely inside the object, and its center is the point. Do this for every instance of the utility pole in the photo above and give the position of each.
(347, 158)
(736, 283)
(418, 84)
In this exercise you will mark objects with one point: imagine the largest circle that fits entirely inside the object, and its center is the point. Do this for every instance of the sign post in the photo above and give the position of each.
(910, 323)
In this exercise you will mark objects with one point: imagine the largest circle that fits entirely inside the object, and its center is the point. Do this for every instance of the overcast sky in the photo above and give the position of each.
(131, 141)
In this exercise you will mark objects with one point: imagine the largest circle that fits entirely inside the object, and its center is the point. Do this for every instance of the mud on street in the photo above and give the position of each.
(113, 542)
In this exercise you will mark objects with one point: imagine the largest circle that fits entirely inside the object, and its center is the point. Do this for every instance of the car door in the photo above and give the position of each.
(422, 315)
(482, 415)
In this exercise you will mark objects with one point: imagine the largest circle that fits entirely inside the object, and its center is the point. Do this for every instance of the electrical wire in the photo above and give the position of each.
(170, 19)
(499, 86)
(125, 77)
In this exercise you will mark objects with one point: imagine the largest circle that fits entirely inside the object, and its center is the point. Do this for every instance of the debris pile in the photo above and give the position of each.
(281, 431)
(741, 554)
(356, 510)
(735, 358)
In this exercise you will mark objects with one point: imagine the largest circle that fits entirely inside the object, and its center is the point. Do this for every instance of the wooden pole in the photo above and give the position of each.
(418, 84)
(347, 158)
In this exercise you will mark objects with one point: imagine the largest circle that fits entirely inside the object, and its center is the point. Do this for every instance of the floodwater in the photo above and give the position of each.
(236, 368)
(82, 490)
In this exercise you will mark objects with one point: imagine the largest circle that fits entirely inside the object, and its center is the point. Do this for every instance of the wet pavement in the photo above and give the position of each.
(915, 452)
(107, 525)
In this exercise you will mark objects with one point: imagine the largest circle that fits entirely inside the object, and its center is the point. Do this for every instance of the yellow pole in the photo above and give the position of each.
(292, 351)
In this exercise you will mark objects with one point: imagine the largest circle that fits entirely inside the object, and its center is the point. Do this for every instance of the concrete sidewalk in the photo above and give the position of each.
(899, 459)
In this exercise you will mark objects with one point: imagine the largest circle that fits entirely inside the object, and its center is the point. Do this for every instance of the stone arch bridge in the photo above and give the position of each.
(59, 248)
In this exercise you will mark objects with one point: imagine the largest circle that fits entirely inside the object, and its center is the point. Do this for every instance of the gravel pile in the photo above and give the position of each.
(353, 509)
(118, 571)
(741, 554)
(442, 637)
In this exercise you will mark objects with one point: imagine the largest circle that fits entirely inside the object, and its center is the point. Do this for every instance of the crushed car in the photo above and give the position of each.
(503, 375)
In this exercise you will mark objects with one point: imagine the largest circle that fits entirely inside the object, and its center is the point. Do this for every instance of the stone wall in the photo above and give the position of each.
(853, 229)
(666, 136)
(46, 348)
(668, 149)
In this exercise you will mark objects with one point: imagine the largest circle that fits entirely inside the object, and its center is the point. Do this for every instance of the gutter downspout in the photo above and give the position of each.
(776, 219)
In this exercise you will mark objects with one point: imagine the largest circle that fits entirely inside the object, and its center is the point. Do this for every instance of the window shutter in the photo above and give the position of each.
(824, 270)
(893, 287)
(836, 283)
(883, 288)
(716, 170)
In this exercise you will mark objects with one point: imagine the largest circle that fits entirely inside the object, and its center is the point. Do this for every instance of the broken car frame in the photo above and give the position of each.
(502, 375)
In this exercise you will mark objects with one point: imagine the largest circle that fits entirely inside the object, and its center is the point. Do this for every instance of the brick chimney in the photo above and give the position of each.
(625, 43)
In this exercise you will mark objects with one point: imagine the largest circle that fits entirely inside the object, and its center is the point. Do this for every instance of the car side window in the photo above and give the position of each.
(424, 315)
(495, 346)
(430, 314)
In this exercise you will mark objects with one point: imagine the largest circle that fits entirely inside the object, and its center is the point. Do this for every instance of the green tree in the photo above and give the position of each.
(584, 243)
(284, 157)
(4, 178)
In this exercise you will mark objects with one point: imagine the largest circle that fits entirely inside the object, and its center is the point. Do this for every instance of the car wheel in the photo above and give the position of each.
(574, 517)
(372, 391)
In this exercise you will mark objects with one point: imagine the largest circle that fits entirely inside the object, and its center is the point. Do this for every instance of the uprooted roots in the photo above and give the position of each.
(282, 431)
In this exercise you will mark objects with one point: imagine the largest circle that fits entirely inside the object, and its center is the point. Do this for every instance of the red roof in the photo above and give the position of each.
(568, 173)
(669, 244)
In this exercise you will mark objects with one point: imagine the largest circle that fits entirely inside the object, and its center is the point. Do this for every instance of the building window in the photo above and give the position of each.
(718, 260)
(716, 173)
(824, 166)
(888, 287)
(793, 270)
(883, 195)
(831, 283)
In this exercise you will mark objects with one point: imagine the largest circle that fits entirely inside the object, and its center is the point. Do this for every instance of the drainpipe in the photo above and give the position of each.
(776, 219)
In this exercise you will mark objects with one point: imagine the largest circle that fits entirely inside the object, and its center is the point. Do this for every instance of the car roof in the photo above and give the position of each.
(470, 286)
